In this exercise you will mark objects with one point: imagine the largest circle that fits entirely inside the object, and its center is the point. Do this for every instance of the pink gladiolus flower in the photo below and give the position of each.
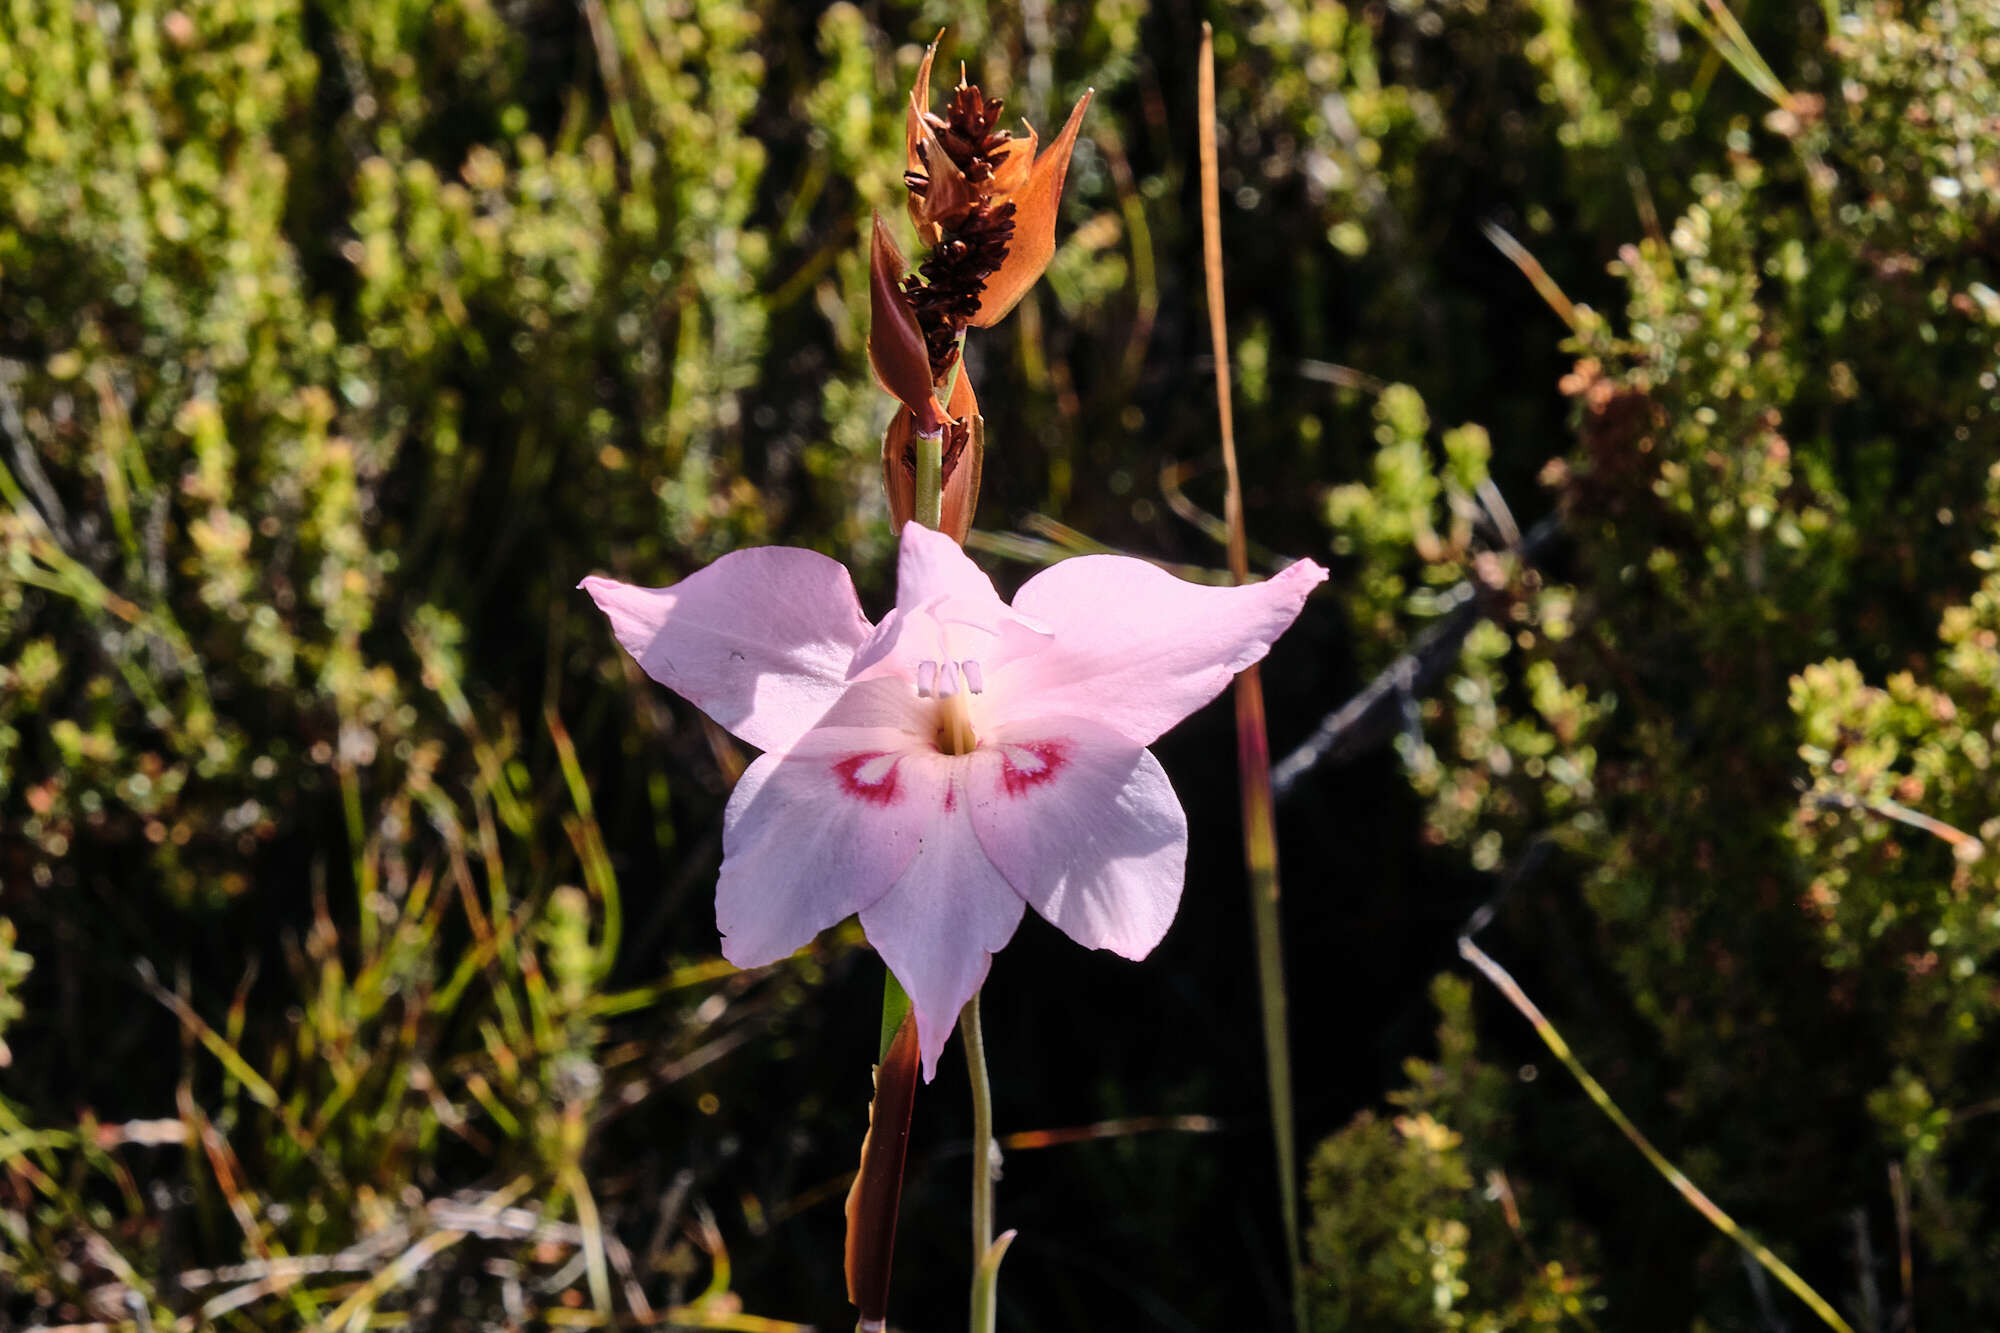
(963, 760)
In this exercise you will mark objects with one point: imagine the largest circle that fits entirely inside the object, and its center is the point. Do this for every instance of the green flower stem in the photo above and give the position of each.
(930, 457)
(985, 1275)
(930, 482)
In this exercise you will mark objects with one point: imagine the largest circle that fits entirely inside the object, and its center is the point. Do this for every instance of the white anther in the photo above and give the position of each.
(947, 681)
(926, 679)
(974, 681)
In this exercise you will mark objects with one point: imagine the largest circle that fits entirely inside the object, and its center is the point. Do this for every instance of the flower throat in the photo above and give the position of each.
(949, 683)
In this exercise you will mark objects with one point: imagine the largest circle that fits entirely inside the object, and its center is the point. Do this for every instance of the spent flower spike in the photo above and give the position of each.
(985, 203)
(961, 761)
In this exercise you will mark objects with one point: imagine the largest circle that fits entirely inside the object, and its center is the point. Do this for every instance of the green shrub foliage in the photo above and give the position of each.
(1783, 430)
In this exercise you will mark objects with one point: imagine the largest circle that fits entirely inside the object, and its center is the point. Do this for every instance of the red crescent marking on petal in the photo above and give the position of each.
(1016, 781)
(880, 792)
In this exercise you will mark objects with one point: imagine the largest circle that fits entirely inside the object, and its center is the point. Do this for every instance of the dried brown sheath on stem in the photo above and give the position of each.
(878, 1185)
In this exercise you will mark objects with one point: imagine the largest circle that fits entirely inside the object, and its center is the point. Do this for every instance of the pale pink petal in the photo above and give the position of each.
(1085, 826)
(946, 610)
(1136, 648)
(760, 640)
(946, 917)
(818, 833)
(931, 566)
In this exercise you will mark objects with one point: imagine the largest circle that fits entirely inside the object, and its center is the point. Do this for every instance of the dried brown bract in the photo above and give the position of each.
(986, 204)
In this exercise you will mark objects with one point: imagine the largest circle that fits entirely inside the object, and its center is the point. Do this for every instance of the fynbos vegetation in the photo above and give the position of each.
(1633, 365)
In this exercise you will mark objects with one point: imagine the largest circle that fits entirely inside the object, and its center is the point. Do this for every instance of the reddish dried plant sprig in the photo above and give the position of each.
(985, 203)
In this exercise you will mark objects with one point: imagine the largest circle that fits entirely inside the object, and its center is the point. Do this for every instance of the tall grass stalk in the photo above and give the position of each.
(1253, 744)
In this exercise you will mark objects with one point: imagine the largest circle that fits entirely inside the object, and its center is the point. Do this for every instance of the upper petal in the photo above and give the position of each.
(819, 833)
(946, 610)
(1085, 826)
(760, 640)
(931, 566)
(1134, 647)
(938, 928)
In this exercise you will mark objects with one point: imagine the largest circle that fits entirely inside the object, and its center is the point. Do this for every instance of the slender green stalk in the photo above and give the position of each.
(930, 482)
(1253, 744)
(1687, 1189)
(982, 1166)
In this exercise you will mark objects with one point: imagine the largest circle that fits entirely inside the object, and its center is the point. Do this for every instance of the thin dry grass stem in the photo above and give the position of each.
(1025, 1140)
(1145, 278)
(354, 1311)
(1173, 481)
(1725, 36)
(1899, 1193)
(1041, 551)
(587, 1220)
(588, 840)
(1253, 747)
(1343, 377)
(1537, 276)
(227, 1170)
(254, 1083)
(1961, 842)
(1687, 1189)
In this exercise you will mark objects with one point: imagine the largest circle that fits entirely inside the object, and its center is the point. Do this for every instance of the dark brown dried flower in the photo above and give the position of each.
(986, 205)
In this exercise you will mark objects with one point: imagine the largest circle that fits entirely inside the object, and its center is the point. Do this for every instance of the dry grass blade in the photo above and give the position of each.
(1253, 745)
(1961, 842)
(1687, 1189)
(1537, 276)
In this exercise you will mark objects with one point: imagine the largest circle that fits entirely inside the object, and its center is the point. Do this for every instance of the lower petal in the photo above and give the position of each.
(941, 924)
(1085, 826)
(816, 834)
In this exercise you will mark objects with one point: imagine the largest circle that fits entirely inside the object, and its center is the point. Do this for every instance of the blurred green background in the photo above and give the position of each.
(356, 945)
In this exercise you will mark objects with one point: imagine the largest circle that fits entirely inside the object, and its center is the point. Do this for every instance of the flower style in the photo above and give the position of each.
(963, 760)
